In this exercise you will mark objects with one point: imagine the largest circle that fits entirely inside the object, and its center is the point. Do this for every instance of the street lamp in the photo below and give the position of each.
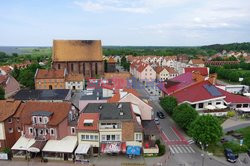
(202, 155)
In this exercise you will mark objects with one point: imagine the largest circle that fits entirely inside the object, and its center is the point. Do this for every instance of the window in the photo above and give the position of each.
(138, 136)
(201, 105)
(113, 137)
(40, 119)
(245, 105)
(238, 105)
(52, 132)
(30, 130)
(10, 130)
(72, 67)
(209, 103)
(18, 129)
(83, 137)
(218, 103)
(34, 119)
(58, 66)
(41, 132)
(89, 137)
(73, 130)
(103, 137)
(10, 120)
(45, 120)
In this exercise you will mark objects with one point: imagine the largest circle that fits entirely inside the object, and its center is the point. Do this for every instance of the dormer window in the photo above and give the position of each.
(88, 122)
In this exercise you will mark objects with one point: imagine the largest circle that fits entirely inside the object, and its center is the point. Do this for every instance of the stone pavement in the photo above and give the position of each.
(234, 124)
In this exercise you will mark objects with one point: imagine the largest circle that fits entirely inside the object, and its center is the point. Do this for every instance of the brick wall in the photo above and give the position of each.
(127, 131)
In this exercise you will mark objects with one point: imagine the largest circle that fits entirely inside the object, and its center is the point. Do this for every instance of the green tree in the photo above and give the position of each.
(15, 73)
(2, 93)
(205, 129)
(105, 65)
(184, 115)
(168, 104)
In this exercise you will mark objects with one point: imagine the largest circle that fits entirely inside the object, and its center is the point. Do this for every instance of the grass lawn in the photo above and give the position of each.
(246, 135)
(216, 149)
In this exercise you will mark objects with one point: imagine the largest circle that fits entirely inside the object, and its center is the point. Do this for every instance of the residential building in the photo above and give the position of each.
(50, 79)
(55, 95)
(4, 70)
(220, 63)
(140, 107)
(48, 127)
(74, 81)
(111, 127)
(78, 56)
(197, 62)
(165, 73)
(145, 73)
(111, 65)
(9, 129)
(9, 84)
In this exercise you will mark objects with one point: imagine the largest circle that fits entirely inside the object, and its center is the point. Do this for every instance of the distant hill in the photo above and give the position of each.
(229, 47)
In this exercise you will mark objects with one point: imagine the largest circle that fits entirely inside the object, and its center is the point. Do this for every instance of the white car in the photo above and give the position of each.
(157, 122)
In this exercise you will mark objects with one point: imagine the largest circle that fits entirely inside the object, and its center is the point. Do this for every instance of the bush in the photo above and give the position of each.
(231, 114)
(236, 148)
(162, 148)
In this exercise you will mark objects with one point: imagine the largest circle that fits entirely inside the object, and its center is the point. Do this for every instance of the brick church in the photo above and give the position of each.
(78, 56)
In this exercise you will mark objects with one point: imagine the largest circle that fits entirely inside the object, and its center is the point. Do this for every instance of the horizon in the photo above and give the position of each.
(167, 23)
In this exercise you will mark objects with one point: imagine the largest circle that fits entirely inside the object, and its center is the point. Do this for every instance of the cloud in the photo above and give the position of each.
(130, 6)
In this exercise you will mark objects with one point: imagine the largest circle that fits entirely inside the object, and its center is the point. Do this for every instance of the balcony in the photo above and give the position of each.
(42, 137)
(39, 125)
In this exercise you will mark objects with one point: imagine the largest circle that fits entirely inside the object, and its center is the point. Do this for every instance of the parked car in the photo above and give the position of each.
(230, 156)
(237, 135)
(157, 122)
(160, 115)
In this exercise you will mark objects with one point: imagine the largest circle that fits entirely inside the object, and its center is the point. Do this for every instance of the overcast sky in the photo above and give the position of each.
(125, 22)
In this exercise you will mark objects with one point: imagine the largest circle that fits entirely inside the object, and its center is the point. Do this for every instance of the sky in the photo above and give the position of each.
(125, 22)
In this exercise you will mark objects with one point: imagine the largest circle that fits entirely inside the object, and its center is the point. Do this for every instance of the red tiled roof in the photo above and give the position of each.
(8, 108)
(197, 61)
(85, 116)
(117, 98)
(60, 111)
(181, 81)
(199, 93)
(142, 67)
(7, 69)
(202, 70)
(50, 74)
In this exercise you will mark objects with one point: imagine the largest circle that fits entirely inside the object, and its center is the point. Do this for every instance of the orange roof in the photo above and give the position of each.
(197, 61)
(7, 69)
(77, 50)
(124, 75)
(159, 69)
(88, 116)
(49, 74)
(111, 60)
(60, 111)
(74, 77)
(8, 108)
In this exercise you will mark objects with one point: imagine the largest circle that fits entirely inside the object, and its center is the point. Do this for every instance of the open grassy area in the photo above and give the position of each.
(246, 135)
(216, 149)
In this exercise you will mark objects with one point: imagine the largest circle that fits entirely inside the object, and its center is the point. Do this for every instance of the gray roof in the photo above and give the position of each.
(110, 111)
(56, 94)
(42, 113)
(96, 93)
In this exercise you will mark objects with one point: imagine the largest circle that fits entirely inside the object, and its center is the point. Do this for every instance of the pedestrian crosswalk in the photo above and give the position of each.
(181, 149)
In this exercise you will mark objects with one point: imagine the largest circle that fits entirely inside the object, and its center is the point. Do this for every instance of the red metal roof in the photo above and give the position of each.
(195, 93)
(182, 81)
(234, 99)
(202, 70)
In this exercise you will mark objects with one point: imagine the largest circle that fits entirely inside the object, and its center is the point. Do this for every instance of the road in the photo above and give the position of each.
(182, 153)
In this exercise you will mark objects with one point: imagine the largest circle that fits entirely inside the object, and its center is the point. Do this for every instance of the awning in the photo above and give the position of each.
(136, 109)
(221, 106)
(65, 145)
(37, 146)
(82, 149)
(210, 107)
(23, 143)
(133, 150)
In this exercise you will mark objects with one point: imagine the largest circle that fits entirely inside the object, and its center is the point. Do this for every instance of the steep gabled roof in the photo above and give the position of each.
(8, 109)
(60, 111)
(77, 50)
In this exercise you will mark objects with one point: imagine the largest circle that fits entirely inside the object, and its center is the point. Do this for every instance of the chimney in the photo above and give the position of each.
(197, 76)
(212, 78)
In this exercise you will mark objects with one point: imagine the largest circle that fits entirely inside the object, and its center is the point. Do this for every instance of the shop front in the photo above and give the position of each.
(113, 148)
(60, 149)
(19, 149)
(133, 151)
(82, 152)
